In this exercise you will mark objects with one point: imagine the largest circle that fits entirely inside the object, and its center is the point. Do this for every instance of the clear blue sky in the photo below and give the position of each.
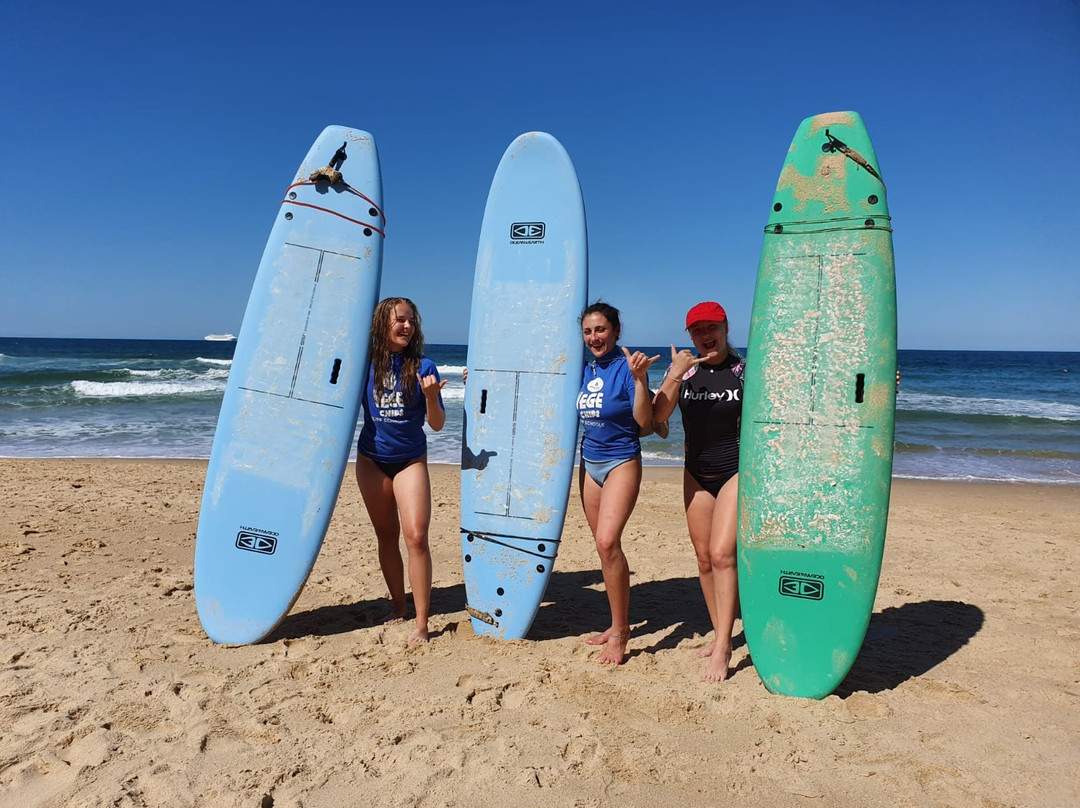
(145, 149)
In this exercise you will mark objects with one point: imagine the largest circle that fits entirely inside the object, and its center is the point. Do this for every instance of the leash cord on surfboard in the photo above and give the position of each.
(335, 213)
(488, 537)
(838, 145)
(845, 223)
(339, 157)
(348, 188)
(483, 617)
(375, 209)
(331, 173)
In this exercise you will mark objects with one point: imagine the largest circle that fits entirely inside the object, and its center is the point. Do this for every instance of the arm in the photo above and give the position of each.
(431, 387)
(639, 368)
(642, 405)
(660, 428)
(667, 397)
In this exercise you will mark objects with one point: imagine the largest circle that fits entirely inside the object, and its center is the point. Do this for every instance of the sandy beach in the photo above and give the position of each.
(966, 693)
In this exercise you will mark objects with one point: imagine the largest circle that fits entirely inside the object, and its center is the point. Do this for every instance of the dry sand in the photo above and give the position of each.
(967, 691)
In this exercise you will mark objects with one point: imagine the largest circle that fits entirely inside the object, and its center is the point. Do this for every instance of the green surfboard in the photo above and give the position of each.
(819, 402)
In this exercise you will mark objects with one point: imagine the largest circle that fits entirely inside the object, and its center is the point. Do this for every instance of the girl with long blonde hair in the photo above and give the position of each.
(403, 390)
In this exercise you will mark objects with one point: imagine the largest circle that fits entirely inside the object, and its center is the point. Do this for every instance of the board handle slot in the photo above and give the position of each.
(335, 371)
(483, 401)
(860, 387)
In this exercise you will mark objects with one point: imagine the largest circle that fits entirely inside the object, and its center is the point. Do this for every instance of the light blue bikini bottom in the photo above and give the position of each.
(600, 469)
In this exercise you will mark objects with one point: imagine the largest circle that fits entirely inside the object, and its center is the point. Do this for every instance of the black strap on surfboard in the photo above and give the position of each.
(493, 538)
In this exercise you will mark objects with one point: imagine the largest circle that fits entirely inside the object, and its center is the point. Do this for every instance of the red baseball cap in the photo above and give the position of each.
(708, 312)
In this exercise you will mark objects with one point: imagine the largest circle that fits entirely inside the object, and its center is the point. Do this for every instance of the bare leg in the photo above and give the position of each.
(591, 505)
(699, 519)
(412, 490)
(607, 510)
(377, 491)
(725, 578)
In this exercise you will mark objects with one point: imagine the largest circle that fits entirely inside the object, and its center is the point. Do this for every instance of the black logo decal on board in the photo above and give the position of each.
(256, 542)
(527, 232)
(798, 586)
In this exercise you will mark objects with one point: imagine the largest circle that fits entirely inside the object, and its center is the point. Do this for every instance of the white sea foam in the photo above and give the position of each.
(958, 405)
(222, 362)
(143, 389)
(972, 478)
(179, 374)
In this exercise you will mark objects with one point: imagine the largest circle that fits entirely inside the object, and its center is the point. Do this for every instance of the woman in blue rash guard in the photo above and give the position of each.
(403, 389)
(615, 406)
(708, 390)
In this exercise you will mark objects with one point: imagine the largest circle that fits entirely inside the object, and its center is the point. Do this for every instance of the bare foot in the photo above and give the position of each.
(706, 652)
(393, 616)
(614, 652)
(599, 639)
(717, 668)
(419, 635)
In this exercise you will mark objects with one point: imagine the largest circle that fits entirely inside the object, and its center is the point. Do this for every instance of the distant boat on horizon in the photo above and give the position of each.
(220, 337)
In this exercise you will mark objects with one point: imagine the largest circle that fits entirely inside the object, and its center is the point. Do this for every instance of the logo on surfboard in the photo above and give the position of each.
(795, 585)
(256, 542)
(527, 232)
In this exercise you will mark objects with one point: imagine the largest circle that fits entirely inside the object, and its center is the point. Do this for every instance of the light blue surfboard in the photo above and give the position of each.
(293, 396)
(525, 364)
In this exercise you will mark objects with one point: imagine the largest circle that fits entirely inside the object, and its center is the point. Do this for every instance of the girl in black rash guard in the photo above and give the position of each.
(710, 398)
(708, 390)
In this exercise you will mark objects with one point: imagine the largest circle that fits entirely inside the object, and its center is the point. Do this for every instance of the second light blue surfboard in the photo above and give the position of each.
(525, 364)
(290, 407)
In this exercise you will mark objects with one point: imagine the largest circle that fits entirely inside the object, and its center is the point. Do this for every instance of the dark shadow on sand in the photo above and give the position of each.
(903, 642)
(329, 620)
(672, 607)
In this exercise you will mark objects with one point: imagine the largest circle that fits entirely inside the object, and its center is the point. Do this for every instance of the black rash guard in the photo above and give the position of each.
(710, 398)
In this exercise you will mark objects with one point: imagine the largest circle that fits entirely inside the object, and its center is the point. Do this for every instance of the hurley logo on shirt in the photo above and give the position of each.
(705, 395)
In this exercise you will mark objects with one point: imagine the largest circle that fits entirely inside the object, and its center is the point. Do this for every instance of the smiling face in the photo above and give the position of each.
(402, 327)
(599, 336)
(709, 336)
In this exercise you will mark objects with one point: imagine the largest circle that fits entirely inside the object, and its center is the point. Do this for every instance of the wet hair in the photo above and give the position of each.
(735, 355)
(605, 310)
(380, 347)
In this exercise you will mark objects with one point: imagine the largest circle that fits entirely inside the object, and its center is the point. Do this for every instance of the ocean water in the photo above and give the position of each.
(961, 415)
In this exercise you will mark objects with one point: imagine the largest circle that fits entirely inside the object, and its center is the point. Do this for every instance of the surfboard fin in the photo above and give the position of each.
(835, 144)
(331, 172)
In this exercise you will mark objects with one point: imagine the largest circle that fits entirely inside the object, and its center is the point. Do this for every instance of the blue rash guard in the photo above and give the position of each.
(393, 430)
(605, 405)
